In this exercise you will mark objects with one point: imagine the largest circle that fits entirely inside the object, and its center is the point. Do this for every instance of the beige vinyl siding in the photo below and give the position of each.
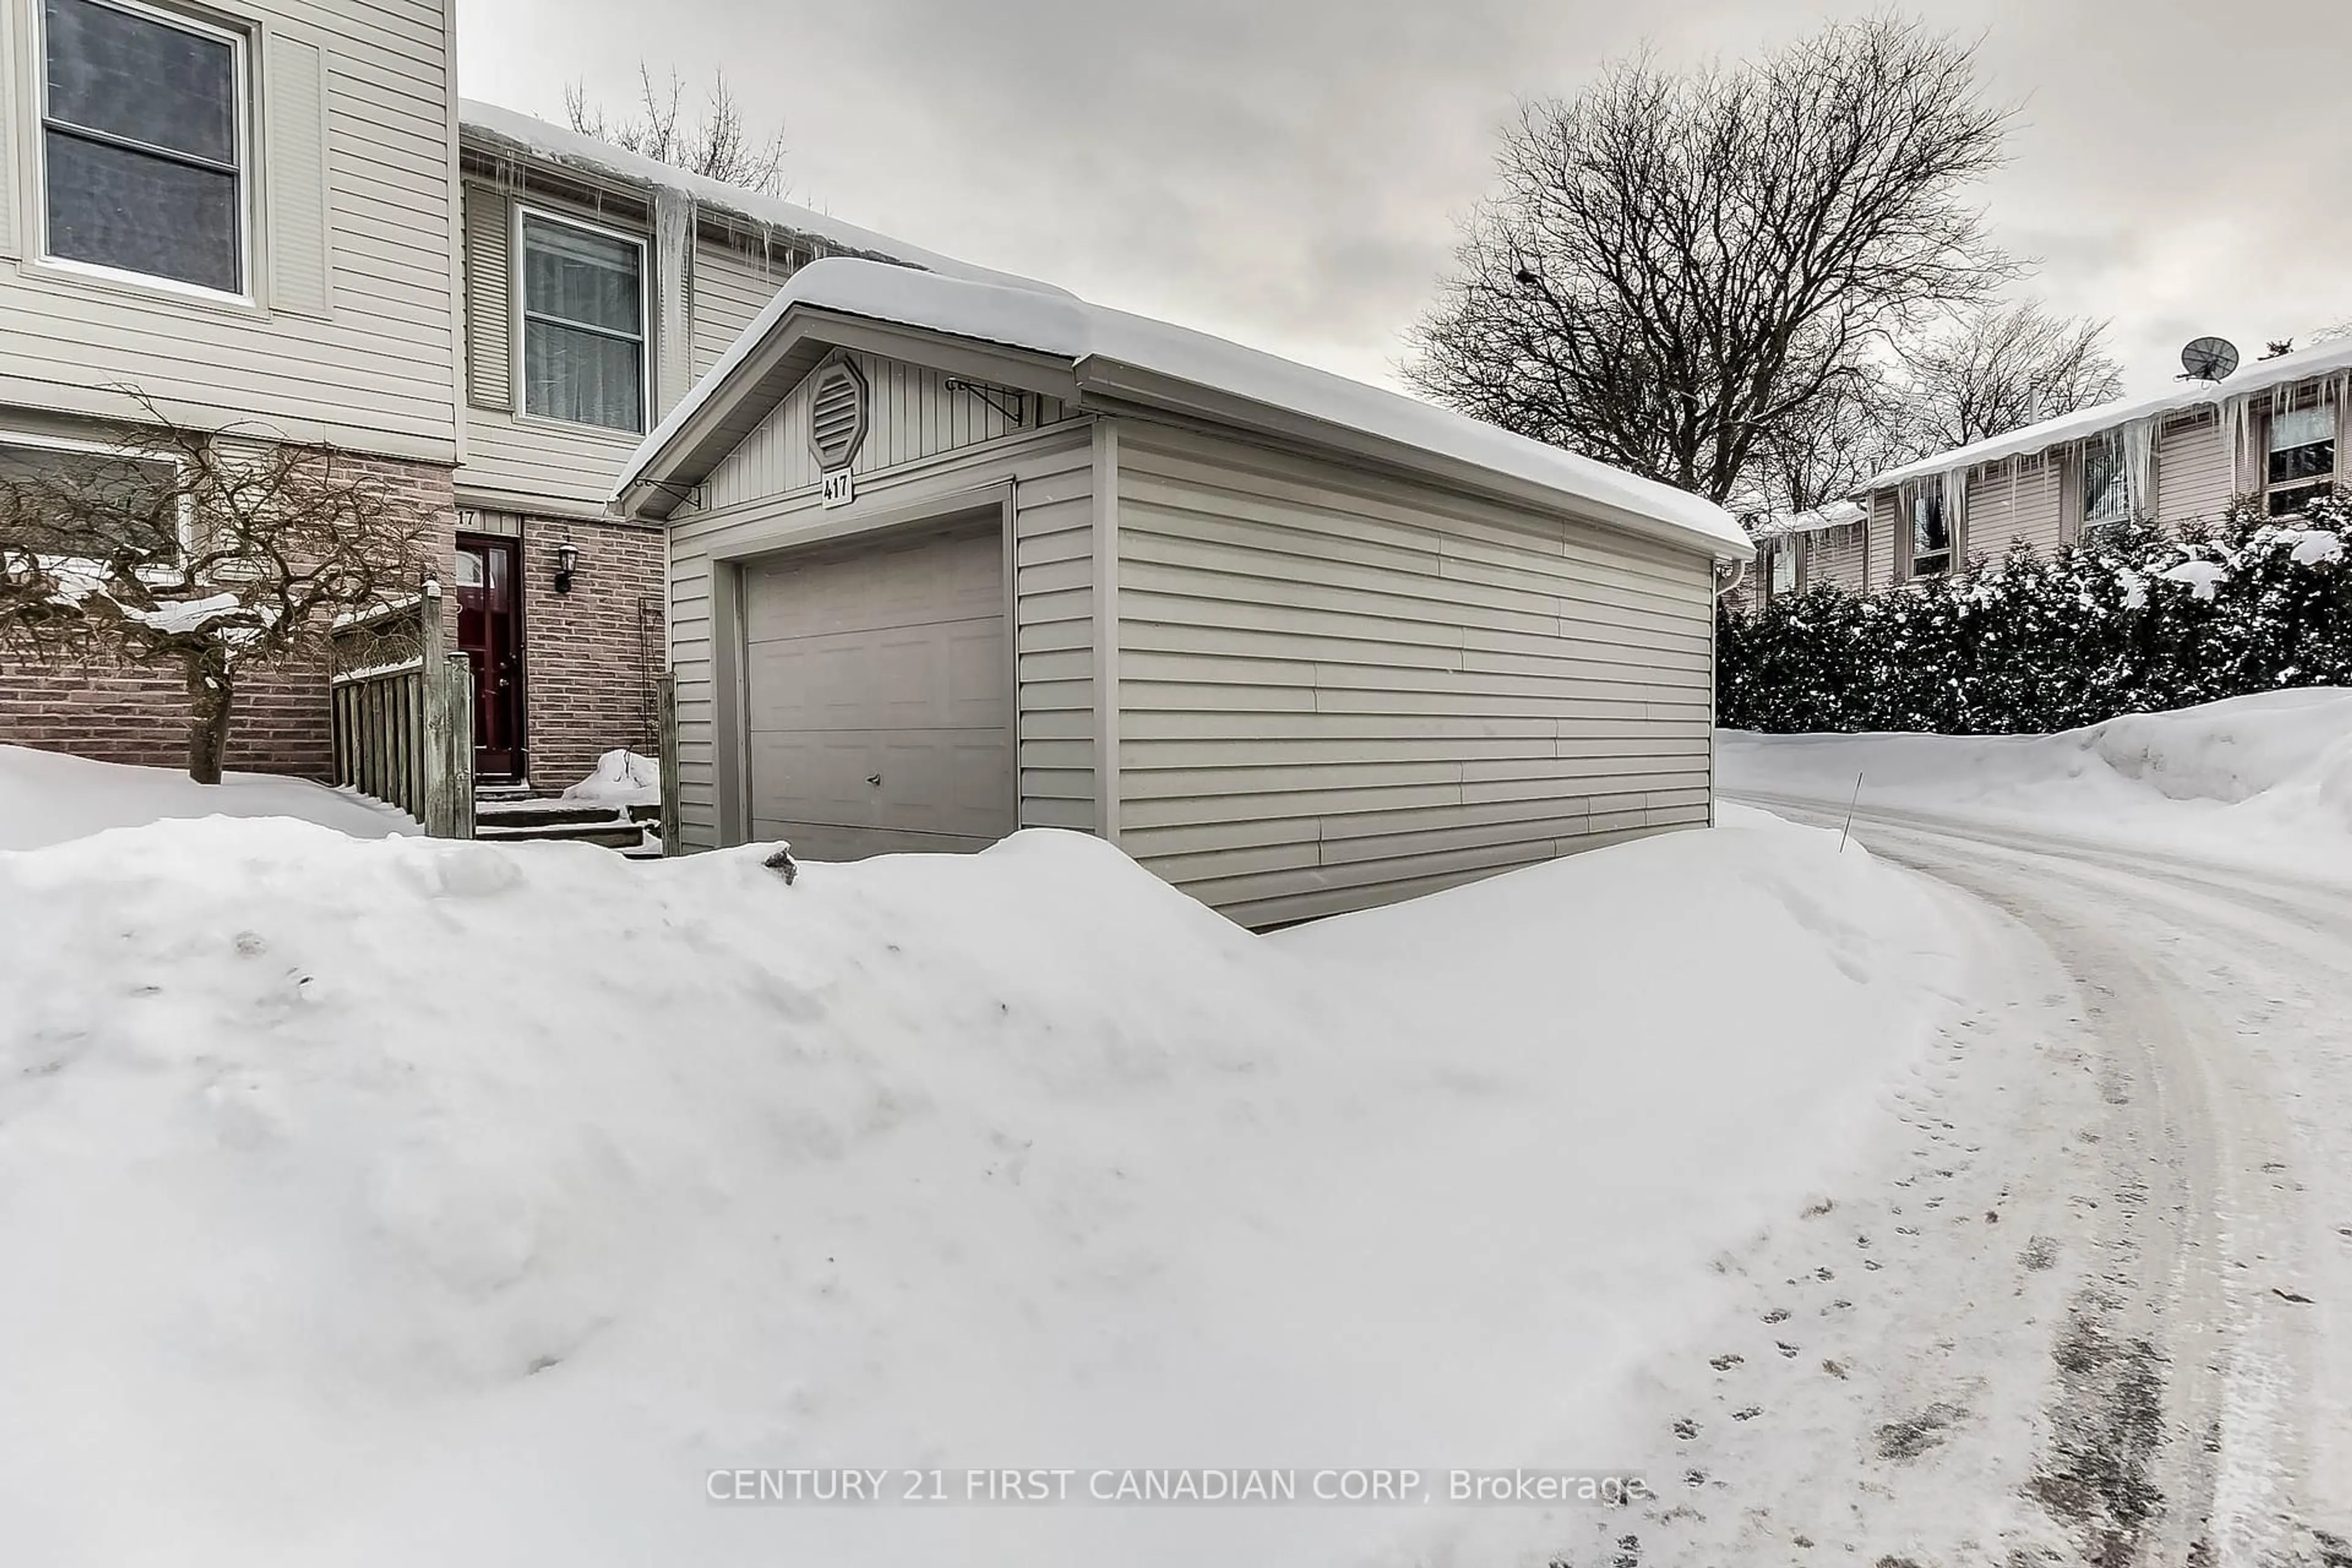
(549, 466)
(2192, 471)
(1835, 556)
(913, 415)
(1335, 689)
(1050, 474)
(2014, 501)
(1885, 542)
(351, 336)
(730, 289)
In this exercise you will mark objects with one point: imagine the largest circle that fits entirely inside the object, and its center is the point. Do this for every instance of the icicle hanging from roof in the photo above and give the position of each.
(2139, 462)
(2234, 418)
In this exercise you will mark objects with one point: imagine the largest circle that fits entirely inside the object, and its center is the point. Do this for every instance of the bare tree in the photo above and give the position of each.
(1677, 267)
(1997, 370)
(1828, 449)
(721, 144)
(214, 556)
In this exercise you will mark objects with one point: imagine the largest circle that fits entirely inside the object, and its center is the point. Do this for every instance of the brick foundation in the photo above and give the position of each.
(132, 714)
(592, 657)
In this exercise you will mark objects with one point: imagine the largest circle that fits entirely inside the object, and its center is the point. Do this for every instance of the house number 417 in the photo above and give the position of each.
(838, 489)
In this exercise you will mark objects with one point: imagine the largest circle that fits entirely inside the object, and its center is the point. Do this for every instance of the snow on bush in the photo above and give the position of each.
(2133, 621)
(457, 1202)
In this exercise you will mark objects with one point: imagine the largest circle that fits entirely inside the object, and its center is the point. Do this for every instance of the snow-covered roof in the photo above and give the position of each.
(554, 144)
(1096, 341)
(1837, 514)
(2324, 359)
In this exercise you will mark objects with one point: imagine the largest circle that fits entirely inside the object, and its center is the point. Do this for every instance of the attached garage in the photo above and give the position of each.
(950, 559)
(877, 696)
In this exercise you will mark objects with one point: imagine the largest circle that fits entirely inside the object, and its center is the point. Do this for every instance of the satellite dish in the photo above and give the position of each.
(2210, 359)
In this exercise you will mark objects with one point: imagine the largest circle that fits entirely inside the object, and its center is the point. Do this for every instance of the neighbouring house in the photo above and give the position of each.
(1794, 550)
(275, 218)
(950, 558)
(2273, 431)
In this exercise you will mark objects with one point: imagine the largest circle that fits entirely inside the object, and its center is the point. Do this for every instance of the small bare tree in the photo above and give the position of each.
(721, 144)
(1676, 267)
(1828, 449)
(1998, 370)
(214, 556)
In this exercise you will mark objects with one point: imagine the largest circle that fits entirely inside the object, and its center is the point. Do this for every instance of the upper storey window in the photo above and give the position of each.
(583, 325)
(142, 143)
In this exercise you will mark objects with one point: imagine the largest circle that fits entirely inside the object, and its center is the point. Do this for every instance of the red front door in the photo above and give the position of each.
(489, 628)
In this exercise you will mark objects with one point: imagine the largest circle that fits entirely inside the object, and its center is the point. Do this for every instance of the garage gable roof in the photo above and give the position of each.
(1123, 359)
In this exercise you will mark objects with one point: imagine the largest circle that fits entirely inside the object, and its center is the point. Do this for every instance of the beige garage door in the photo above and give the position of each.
(877, 700)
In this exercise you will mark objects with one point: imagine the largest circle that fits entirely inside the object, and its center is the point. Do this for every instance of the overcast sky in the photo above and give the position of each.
(1289, 173)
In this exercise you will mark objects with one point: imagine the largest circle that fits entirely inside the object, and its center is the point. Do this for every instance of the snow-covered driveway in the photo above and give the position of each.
(2095, 1301)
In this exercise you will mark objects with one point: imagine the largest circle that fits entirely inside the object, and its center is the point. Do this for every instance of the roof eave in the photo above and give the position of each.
(1111, 385)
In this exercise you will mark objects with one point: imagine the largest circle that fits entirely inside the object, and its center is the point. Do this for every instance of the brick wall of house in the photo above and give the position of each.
(120, 713)
(592, 657)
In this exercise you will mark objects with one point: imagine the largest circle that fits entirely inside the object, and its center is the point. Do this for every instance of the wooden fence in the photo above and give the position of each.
(403, 707)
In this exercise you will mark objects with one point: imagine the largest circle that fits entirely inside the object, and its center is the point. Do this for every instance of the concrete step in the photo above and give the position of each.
(610, 831)
(530, 813)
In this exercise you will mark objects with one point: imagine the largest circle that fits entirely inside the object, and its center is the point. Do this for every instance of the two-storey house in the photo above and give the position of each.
(277, 217)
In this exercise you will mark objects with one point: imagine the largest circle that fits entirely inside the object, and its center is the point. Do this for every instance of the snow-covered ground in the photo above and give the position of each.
(1977, 1193)
(2265, 778)
(405, 1201)
(2090, 1298)
(47, 798)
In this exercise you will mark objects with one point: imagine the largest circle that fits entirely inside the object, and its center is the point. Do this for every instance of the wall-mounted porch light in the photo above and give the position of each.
(567, 561)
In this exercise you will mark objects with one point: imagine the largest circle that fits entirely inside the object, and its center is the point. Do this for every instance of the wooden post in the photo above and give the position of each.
(668, 760)
(439, 814)
(457, 673)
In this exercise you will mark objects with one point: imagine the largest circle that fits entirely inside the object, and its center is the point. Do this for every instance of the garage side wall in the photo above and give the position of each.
(1049, 474)
(1337, 690)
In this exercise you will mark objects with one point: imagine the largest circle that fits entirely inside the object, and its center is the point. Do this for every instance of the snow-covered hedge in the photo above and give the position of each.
(2133, 622)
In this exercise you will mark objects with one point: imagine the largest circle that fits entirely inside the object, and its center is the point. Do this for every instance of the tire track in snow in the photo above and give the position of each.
(2218, 993)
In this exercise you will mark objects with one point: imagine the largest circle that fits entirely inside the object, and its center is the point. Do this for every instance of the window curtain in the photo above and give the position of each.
(584, 327)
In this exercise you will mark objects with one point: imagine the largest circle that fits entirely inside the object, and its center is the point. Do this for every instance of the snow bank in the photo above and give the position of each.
(622, 778)
(47, 798)
(415, 1201)
(2270, 773)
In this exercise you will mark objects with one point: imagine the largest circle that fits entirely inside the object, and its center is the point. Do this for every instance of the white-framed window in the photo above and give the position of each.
(56, 492)
(2107, 481)
(1931, 535)
(2302, 459)
(1784, 567)
(582, 302)
(144, 159)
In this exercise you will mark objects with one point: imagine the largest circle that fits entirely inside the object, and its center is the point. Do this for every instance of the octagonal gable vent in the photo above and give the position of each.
(836, 412)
